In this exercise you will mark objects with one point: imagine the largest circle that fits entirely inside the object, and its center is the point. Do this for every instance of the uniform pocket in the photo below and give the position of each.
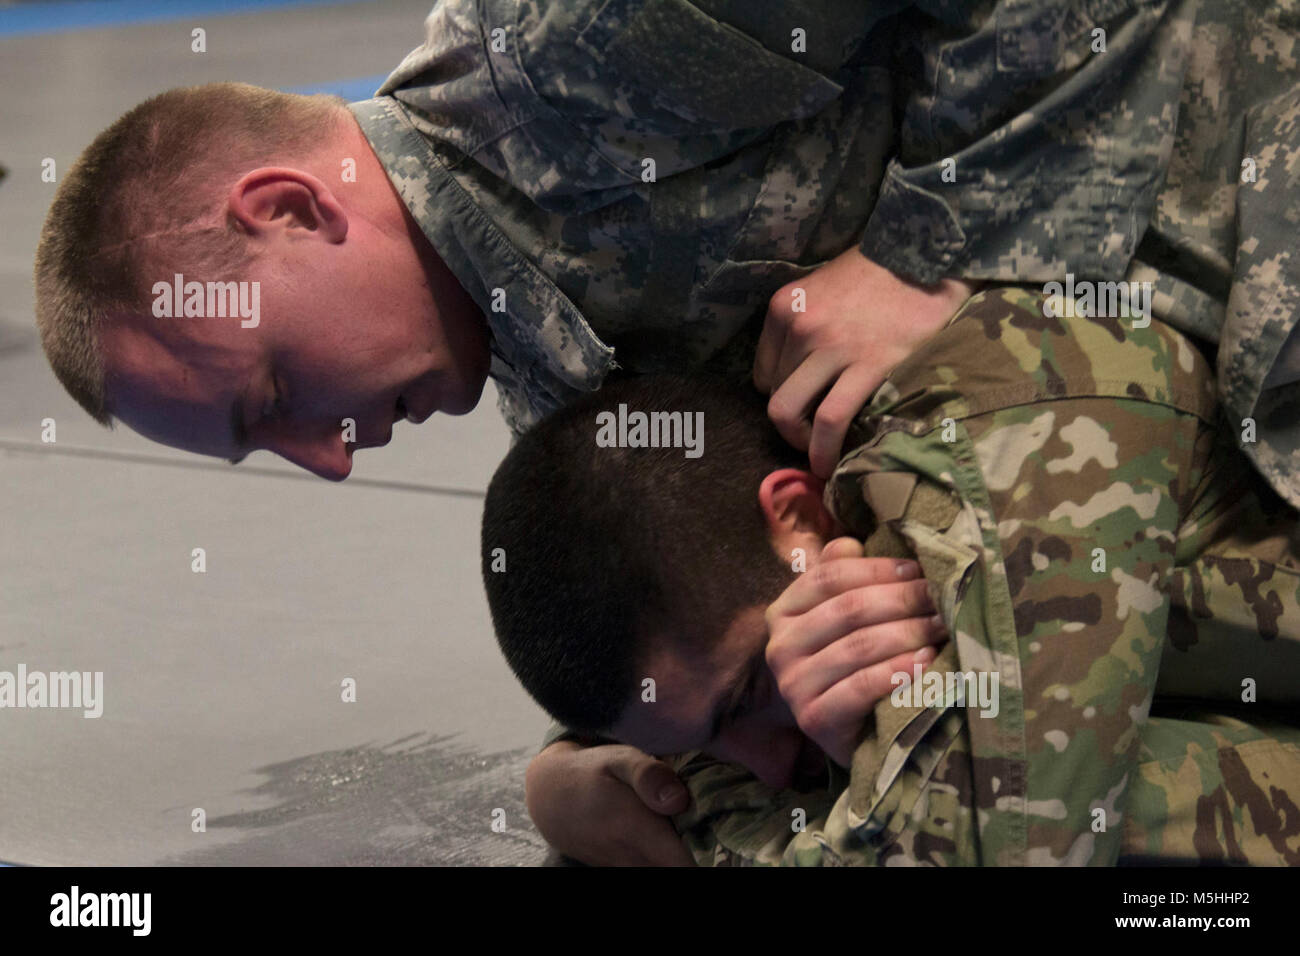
(754, 281)
(698, 71)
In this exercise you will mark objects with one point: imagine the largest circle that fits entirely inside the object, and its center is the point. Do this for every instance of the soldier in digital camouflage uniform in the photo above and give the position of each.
(1010, 449)
(1109, 139)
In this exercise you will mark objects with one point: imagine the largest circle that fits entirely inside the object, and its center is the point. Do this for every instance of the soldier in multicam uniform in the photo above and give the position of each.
(1079, 518)
(1064, 485)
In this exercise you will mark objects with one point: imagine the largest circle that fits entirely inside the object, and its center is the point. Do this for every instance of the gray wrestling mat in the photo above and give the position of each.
(222, 691)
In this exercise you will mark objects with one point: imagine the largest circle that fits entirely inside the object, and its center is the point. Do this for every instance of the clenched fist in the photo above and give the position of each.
(607, 805)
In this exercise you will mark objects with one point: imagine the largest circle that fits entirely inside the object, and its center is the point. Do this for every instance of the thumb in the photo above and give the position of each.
(652, 780)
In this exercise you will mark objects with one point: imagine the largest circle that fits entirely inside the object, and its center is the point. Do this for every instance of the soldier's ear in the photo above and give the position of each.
(791, 502)
(277, 198)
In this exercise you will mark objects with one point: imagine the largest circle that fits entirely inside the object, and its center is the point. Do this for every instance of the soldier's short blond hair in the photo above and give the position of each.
(146, 199)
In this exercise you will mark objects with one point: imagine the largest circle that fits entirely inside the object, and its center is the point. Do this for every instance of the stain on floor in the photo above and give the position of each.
(421, 800)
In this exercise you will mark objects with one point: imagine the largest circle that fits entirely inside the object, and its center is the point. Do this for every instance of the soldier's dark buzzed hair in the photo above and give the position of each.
(608, 548)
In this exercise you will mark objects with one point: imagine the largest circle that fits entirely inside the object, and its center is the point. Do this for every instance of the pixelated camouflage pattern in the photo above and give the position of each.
(516, 134)
(1219, 250)
(1054, 437)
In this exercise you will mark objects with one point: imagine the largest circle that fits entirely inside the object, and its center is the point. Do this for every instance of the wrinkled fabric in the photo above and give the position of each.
(1098, 523)
(1016, 140)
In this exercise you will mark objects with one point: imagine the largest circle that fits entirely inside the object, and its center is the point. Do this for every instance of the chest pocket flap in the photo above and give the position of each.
(700, 70)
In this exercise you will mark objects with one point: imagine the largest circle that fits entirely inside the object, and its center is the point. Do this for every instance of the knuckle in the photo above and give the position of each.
(864, 686)
(779, 408)
(830, 417)
(829, 576)
(897, 605)
(780, 306)
(786, 687)
(836, 410)
(772, 617)
(910, 632)
(862, 646)
(804, 324)
(812, 719)
(861, 605)
(775, 655)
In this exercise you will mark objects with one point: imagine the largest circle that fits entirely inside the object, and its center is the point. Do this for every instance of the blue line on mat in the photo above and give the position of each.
(357, 88)
(33, 18)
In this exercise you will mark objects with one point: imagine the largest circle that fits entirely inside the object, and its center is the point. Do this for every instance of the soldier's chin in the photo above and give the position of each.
(461, 400)
(458, 391)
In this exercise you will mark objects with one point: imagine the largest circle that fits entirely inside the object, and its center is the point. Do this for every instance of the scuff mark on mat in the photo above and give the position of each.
(422, 799)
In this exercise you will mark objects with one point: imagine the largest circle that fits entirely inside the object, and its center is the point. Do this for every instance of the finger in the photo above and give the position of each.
(856, 651)
(836, 412)
(653, 780)
(795, 353)
(836, 719)
(770, 343)
(848, 612)
(796, 395)
(827, 579)
(837, 548)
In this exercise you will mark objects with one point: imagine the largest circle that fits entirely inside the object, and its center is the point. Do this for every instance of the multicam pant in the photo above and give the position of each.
(1079, 514)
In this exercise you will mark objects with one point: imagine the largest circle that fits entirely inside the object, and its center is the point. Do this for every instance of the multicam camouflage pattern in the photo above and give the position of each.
(1208, 790)
(1053, 438)
(1213, 789)
(1234, 612)
(517, 134)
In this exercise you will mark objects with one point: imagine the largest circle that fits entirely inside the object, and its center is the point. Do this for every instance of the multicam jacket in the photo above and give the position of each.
(1097, 549)
(638, 177)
